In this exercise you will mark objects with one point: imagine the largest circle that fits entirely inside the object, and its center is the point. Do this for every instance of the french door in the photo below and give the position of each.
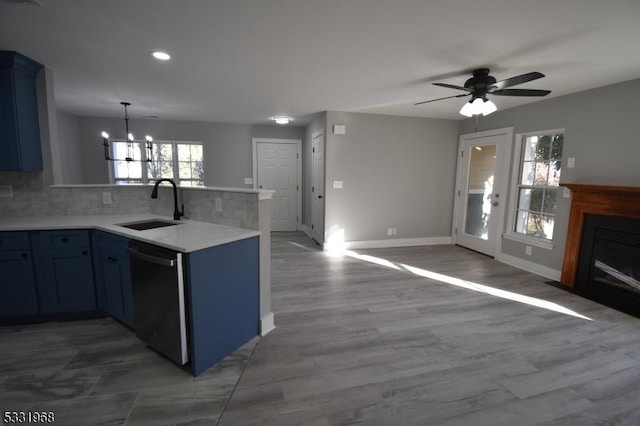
(481, 189)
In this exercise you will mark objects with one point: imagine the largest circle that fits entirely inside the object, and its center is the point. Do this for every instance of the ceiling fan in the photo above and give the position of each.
(483, 84)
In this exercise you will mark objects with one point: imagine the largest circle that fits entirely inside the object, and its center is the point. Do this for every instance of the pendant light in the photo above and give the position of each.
(129, 156)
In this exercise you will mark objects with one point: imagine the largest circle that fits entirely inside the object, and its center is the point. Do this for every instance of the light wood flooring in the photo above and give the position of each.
(434, 335)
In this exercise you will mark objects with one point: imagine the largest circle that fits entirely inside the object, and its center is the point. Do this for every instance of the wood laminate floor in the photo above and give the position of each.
(405, 336)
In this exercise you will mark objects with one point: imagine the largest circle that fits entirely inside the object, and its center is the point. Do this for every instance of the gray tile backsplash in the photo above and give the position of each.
(32, 198)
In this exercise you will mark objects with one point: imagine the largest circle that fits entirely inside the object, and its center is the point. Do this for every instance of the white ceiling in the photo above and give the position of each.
(245, 61)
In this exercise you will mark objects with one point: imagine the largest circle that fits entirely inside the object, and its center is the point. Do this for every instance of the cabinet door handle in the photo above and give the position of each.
(65, 240)
(84, 252)
(25, 256)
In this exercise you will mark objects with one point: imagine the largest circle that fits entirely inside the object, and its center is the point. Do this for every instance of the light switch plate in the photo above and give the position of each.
(248, 181)
(571, 162)
(338, 184)
(339, 129)
(566, 193)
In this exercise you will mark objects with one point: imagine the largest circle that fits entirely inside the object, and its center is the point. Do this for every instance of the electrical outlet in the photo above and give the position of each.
(248, 181)
(218, 204)
(338, 184)
(394, 231)
(106, 198)
(566, 193)
(527, 250)
(6, 191)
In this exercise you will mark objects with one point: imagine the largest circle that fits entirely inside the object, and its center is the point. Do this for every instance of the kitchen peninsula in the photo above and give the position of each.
(74, 260)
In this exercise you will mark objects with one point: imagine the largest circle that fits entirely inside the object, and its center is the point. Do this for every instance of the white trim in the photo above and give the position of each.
(267, 324)
(397, 242)
(526, 265)
(529, 240)
(501, 168)
(306, 230)
(319, 235)
(317, 133)
(513, 190)
(298, 143)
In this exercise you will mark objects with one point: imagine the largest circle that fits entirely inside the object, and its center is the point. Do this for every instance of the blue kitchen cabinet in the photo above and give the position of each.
(19, 127)
(113, 276)
(223, 300)
(64, 271)
(18, 295)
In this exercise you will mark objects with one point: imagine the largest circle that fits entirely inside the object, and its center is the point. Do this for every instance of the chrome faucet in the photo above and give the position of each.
(154, 194)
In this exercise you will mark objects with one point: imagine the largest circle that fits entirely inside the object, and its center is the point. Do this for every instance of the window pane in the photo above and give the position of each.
(550, 201)
(528, 172)
(541, 173)
(121, 151)
(554, 173)
(556, 150)
(543, 148)
(524, 201)
(184, 153)
(530, 143)
(184, 170)
(162, 164)
(196, 152)
(521, 222)
(127, 169)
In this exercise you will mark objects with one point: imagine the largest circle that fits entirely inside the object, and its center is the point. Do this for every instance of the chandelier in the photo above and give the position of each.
(130, 141)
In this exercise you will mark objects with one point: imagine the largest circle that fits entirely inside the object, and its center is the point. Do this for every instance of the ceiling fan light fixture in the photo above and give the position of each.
(467, 109)
(488, 107)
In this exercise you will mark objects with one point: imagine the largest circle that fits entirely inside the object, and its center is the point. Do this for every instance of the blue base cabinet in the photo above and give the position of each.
(64, 271)
(18, 296)
(113, 276)
(223, 300)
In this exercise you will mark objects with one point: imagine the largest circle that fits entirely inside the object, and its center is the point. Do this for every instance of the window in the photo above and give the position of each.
(537, 187)
(181, 161)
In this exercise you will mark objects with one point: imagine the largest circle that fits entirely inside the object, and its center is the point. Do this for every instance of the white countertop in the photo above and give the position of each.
(186, 237)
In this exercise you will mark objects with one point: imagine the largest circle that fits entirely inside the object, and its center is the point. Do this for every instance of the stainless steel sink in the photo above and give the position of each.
(147, 224)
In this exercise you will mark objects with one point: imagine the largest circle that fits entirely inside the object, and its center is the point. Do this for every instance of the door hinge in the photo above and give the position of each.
(461, 154)
(312, 226)
(455, 231)
(297, 155)
(297, 219)
(458, 192)
(312, 189)
(313, 150)
(297, 188)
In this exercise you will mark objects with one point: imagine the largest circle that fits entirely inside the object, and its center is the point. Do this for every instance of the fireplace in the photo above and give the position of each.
(602, 254)
(609, 262)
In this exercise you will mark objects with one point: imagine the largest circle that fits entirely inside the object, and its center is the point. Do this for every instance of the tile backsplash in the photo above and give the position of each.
(32, 198)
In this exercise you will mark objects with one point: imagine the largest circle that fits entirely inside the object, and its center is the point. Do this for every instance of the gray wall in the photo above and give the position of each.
(69, 143)
(397, 172)
(227, 147)
(600, 132)
(317, 122)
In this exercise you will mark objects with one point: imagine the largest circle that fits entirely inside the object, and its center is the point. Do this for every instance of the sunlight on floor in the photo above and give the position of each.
(469, 285)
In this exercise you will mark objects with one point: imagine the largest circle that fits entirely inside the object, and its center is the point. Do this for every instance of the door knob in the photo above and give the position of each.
(260, 186)
(495, 204)
(320, 196)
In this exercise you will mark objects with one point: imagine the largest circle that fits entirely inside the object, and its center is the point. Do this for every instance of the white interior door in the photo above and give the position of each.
(317, 187)
(482, 189)
(277, 169)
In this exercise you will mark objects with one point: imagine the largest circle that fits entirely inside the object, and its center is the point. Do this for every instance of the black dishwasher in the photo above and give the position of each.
(159, 299)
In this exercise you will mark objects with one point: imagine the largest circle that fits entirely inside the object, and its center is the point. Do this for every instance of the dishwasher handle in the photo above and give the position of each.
(153, 259)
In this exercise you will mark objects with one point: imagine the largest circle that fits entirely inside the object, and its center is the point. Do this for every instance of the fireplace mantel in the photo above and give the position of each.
(606, 200)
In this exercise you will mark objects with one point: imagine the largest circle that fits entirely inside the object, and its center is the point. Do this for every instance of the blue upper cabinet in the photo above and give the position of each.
(19, 128)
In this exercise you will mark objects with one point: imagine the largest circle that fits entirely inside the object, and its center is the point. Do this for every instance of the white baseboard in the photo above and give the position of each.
(397, 242)
(267, 324)
(306, 230)
(534, 268)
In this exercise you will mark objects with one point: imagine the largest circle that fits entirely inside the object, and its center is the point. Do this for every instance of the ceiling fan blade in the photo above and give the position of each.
(519, 79)
(451, 86)
(439, 99)
(521, 92)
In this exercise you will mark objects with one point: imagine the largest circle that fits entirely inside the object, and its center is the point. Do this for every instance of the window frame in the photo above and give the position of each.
(144, 165)
(518, 159)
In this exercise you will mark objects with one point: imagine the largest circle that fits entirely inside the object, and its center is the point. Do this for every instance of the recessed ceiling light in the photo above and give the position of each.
(282, 119)
(163, 56)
